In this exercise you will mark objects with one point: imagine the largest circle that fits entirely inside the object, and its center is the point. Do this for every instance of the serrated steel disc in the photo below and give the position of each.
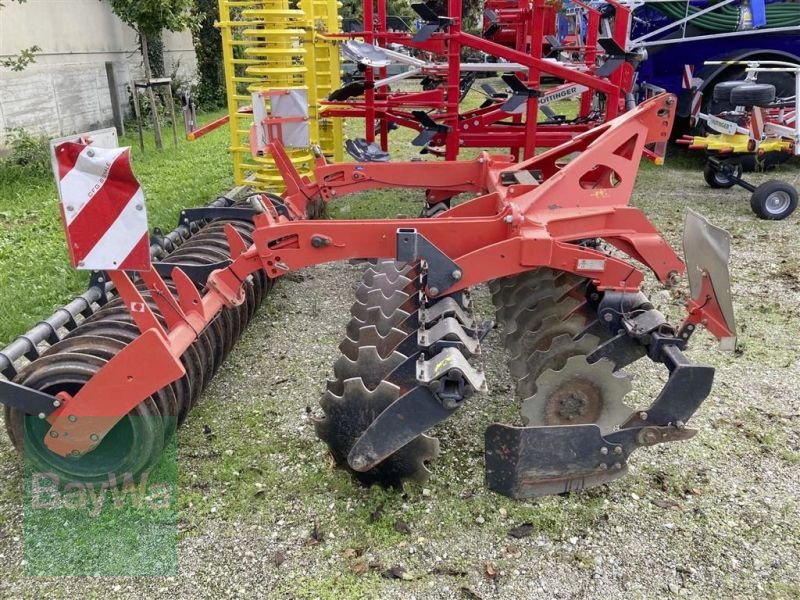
(348, 415)
(526, 297)
(554, 357)
(370, 336)
(375, 298)
(541, 339)
(384, 284)
(531, 318)
(579, 393)
(528, 280)
(375, 316)
(369, 366)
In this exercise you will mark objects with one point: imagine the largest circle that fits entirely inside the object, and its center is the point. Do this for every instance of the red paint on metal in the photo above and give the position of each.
(527, 215)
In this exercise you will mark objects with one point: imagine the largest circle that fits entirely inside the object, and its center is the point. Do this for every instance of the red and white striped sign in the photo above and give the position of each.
(102, 206)
(688, 76)
(697, 104)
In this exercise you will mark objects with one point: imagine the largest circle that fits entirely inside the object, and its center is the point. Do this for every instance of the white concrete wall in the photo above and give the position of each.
(66, 90)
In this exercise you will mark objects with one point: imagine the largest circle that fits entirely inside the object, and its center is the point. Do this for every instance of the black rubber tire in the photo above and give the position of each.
(717, 180)
(132, 446)
(753, 94)
(774, 200)
(783, 82)
(722, 90)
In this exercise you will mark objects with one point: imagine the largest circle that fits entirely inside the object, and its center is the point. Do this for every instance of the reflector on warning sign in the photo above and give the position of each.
(103, 209)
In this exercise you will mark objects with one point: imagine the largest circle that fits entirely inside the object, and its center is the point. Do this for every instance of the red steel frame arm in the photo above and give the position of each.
(549, 67)
(336, 180)
(511, 229)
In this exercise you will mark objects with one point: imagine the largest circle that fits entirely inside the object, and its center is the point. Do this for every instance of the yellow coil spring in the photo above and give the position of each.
(263, 49)
(322, 17)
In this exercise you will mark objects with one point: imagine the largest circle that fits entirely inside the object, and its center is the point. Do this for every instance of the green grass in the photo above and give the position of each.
(35, 274)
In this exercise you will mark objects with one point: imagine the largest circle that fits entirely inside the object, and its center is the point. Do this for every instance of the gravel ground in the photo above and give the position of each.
(262, 513)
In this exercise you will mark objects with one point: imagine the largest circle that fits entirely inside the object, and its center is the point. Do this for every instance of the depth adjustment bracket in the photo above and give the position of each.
(199, 274)
(450, 377)
(27, 400)
(442, 272)
(207, 213)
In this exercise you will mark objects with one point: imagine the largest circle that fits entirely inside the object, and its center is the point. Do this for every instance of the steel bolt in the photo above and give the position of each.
(139, 206)
(607, 317)
(75, 453)
(70, 208)
(647, 437)
(457, 274)
(358, 462)
(56, 403)
(618, 450)
(603, 450)
(509, 219)
(602, 467)
(42, 416)
(434, 291)
(680, 424)
(94, 437)
(643, 416)
(72, 418)
(53, 434)
(618, 466)
(90, 153)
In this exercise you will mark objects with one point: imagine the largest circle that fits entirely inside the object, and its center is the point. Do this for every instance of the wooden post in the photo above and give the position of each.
(113, 91)
(172, 112)
(138, 113)
(150, 93)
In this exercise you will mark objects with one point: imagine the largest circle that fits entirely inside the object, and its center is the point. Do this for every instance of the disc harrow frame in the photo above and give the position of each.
(545, 212)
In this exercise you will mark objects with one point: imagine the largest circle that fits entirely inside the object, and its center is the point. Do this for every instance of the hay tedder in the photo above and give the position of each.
(760, 129)
(551, 236)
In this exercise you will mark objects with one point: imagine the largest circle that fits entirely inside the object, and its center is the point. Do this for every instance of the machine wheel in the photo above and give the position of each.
(717, 179)
(722, 91)
(753, 94)
(131, 447)
(774, 200)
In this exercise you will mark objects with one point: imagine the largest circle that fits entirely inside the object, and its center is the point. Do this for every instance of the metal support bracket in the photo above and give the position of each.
(207, 213)
(27, 400)
(524, 462)
(449, 330)
(446, 307)
(446, 381)
(442, 273)
(199, 274)
(450, 376)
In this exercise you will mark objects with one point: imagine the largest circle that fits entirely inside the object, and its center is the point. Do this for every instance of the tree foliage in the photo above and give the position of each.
(208, 49)
(24, 58)
(150, 17)
(394, 8)
(471, 10)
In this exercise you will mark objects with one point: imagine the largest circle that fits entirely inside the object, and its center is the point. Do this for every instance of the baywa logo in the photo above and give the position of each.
(48, 492)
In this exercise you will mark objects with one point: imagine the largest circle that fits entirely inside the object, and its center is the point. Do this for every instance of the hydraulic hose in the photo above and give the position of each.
(727, 18)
